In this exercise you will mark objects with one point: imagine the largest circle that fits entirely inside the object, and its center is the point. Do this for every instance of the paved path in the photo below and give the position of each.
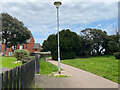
(3, 69)
(79, 79)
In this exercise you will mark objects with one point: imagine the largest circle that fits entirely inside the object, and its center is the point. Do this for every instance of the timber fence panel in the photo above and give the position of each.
(0, 81)
(14, 79)
(37, 58)
(10, 78)
(6, 79)
(20, 77)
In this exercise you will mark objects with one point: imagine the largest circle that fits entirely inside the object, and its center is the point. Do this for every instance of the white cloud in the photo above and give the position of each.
(110, 29)
(98, 25)
(85, 13)
(40, 17)
(64, 1)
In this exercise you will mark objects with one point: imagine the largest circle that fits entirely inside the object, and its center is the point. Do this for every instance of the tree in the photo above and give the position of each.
(98, 39)
(85, 48)
(13, 31)
(69, 44)
(114, 44)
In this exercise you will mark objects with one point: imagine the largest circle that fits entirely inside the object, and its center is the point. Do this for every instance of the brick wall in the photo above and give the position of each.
(28, 46)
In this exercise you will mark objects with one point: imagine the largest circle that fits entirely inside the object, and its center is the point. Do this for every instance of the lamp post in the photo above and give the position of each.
(57, 4)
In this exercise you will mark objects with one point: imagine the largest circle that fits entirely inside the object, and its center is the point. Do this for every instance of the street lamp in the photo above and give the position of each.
(57, 4)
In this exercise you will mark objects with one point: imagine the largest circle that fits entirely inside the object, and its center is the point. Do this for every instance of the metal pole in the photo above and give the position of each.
(58, 42)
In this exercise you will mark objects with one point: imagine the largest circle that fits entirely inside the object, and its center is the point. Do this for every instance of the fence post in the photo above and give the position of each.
(14, 80)
(11, 78)
(1, 81)
(18, 77)
(37, 59)
(6, 79)
(21, 77)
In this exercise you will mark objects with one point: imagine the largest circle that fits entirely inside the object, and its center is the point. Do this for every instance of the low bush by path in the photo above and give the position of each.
(8, 62)
(105, 66)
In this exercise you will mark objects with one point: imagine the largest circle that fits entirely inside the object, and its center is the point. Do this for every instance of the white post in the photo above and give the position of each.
(58, 42)
(57, 4)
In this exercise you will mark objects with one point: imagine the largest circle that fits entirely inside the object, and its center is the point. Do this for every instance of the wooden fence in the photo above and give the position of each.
(37, 64)
(20, 77)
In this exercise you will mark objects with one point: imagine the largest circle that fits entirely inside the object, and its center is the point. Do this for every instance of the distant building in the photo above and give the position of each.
(30, 46)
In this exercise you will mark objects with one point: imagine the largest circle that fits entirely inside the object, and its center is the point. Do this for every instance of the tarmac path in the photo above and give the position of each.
(3, 69)
(79, 79)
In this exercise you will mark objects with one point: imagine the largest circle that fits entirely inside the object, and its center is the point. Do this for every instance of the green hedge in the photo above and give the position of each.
(69, 43)
(63, 55)
(117, 55)
(20, 53)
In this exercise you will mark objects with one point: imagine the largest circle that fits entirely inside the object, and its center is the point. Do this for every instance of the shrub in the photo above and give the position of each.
(20, 53)
(117, 55)
(70, 42)
(63, 55)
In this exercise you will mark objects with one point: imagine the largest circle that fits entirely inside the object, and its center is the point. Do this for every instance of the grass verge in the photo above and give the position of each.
(105, 66)
(47, 67)
(7, 62)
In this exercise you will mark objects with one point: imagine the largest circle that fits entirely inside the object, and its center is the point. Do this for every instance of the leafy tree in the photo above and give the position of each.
(98, 39)
(13, 31)
(69, 44)
(86, 46)
(114, 44)
(117, 55)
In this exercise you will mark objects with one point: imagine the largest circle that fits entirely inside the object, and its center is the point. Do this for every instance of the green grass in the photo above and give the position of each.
(47, 67)
(105, 66)
(7, 62)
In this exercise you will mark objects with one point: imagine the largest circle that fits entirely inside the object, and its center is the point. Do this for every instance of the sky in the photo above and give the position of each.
(40, 17)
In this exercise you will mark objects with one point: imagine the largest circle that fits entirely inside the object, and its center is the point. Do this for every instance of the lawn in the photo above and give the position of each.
(47, 67)
(105, 66)
(7, 62)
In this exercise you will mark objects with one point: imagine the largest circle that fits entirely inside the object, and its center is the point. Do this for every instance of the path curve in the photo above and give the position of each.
(79, 79)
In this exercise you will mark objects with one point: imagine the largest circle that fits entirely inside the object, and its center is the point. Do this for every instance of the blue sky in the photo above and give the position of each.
(40, 17)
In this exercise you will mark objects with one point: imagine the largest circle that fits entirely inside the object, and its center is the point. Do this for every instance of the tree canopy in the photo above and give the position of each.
(13, 31)
(69, 44)
(97, 37)
(89, 42)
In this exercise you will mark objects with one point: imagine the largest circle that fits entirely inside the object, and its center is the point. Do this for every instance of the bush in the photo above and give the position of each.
(70, 42)
(20, 53)
(63, 55)
(117, 55)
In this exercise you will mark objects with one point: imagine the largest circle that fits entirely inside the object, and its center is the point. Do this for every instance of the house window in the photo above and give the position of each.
(26, 46)
(35, 49)
(13, 48)
(21, 46)
(10, 53)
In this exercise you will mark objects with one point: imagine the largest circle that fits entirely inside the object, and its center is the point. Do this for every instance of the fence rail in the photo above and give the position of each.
(22, 76)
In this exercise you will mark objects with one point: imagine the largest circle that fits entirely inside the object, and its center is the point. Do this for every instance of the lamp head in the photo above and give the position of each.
(57, 4)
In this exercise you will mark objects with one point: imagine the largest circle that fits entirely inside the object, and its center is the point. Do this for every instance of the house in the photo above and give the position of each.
(30, 45)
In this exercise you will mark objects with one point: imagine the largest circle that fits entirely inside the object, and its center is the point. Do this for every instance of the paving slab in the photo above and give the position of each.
(79, 79)
(3, 69)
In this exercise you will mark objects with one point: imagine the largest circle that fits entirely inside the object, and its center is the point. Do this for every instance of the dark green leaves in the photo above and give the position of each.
(13, 31)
